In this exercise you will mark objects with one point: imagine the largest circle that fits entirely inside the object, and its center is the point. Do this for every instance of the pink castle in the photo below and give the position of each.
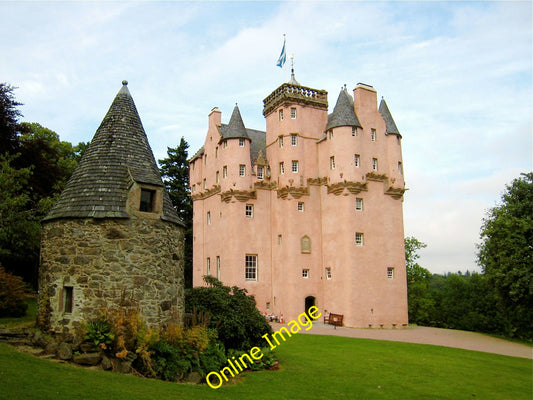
(308, 213)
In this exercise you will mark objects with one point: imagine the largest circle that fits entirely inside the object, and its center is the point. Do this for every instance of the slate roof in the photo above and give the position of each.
(119, 155)
(392, 129)
(235, 128)
(344, 113)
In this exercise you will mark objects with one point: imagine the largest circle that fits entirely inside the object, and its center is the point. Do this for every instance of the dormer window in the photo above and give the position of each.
(147, 200)
(241, 142)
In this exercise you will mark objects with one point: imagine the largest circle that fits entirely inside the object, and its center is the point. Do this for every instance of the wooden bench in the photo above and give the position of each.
(333, 319)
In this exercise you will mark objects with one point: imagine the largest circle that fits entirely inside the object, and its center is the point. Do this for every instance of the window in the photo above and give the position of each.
(280, 141)
(328, 273)
(390, 273)
(68, 299)
(301, 206)
(225, 171)
(330, 134)
(281, 168)
(217, 177)
(224, 144)
(209, 218)
(249, 210)
(280, 238)
(359, 204)
(205, 159)
(294, 140)
(241, 142)
(242, 170)
(354, 131)
(374, 164)
(193, 188)
(359, 239)
(332, 162)
(293, 113)
(260, 172)
(208, 265)
(400, 168)
(216, 152)
(305, 273)
(204, 184)
(147, 200)
(250, 271)
(268, 306)
(295, 166)
(357, 160)
(373, 135)
(218, 267)
(281, 115)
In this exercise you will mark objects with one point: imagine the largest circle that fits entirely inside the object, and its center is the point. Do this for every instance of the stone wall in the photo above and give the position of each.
(99, 263)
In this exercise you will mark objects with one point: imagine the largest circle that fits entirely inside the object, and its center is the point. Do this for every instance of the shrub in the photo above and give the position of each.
(232, 313)
(13, 294)
(99, 333)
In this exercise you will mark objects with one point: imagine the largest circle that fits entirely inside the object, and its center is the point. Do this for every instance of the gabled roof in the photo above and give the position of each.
(235, 128)
(389, 122)
(344, 113)
(118, 156)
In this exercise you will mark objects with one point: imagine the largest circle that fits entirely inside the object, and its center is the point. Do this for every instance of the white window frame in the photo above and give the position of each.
(305, 273)
(280, 113)
(328, 273)
(242, 170)
(280, 141)
(281, 168)
(260, 173)
(301, 206)
(357, 160)
(241, 142)
(332, 162)
(295, 166)
(224, 172)
(249, 211)
(359, 239)
(294, 140)
(250, 267)
(400, 168)
(373, 134)
(217, 176)
(354, 131)
(209, 218)
(390, 273)
(374, 164)
(293, 112)
(359, 204)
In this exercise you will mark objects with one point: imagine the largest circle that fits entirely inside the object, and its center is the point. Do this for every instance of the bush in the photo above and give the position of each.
(13, 294)
(232, 313)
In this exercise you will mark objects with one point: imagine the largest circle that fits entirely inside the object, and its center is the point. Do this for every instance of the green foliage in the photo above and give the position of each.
(232, 313)
(9, 115)
(268, 361)
(506, 253)
(175, 173)
(99, 333)
(13, 295)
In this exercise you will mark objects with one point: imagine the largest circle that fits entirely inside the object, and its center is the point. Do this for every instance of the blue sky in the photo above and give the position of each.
(457, 77)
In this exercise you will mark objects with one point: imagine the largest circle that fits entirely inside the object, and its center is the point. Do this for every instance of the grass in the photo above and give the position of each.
(27, 320)
(313, 367)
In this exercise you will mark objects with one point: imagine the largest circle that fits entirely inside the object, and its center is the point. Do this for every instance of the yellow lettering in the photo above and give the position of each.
(294, 325)
(224, 375)
(256, 350)
(311, 312)
(280, 334)
(209, 381)
(307, 321)
(241, 358)
(265, 336)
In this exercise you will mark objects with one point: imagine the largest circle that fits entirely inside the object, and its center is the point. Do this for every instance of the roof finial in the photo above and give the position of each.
(293, 80)
(125, 82)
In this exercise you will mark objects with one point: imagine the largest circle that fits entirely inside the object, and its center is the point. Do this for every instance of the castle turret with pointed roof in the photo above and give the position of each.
(113, 232)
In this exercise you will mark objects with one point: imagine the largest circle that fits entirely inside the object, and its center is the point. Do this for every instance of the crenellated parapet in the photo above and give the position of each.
(295, 94)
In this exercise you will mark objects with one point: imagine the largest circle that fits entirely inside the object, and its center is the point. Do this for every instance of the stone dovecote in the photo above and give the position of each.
(113, 233)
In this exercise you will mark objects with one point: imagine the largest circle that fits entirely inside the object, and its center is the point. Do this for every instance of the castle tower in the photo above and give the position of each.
(113, 233)
(319, 220)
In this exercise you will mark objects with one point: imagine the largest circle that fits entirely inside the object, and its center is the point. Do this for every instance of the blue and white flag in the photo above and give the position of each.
(282, 56)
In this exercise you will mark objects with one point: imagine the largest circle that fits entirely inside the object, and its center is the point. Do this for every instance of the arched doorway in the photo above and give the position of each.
(309, 302)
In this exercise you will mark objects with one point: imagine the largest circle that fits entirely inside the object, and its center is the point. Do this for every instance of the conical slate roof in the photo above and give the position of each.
(235, 128)
(343, 114)
(389, 122)
(118, 156)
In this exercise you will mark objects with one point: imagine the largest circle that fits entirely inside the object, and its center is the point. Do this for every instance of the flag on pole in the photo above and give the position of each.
(282, 56)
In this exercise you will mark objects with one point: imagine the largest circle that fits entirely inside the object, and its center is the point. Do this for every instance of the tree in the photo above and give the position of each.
(175, 172)
(420, 302)
(9, 127)
(506, 252)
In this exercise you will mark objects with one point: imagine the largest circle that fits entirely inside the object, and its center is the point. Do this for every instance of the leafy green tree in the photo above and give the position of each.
(232, 313)
(420, 302)
(175, 172)
(9, 115)
(506, 252)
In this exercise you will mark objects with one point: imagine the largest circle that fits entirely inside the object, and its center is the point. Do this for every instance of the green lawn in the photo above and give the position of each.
(313, 367)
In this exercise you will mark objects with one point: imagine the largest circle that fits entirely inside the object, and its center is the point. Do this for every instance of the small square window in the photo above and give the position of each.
(301, 206)
(293, 113)
(68, 299)
(281, 115)
(373, 135)
(328, 273)
(357, 160)
(281, 168)
(359, 204)
(305, 273)
(242, 170)
(225, 171)
(295, 166)
(374, 164)
(332, 162)
(280, 141)
(241, 142)
(249, 210)
(260, 172)
(147, 200)
(250, 269)
(390, 273)
(294, 140)
(359, 239)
